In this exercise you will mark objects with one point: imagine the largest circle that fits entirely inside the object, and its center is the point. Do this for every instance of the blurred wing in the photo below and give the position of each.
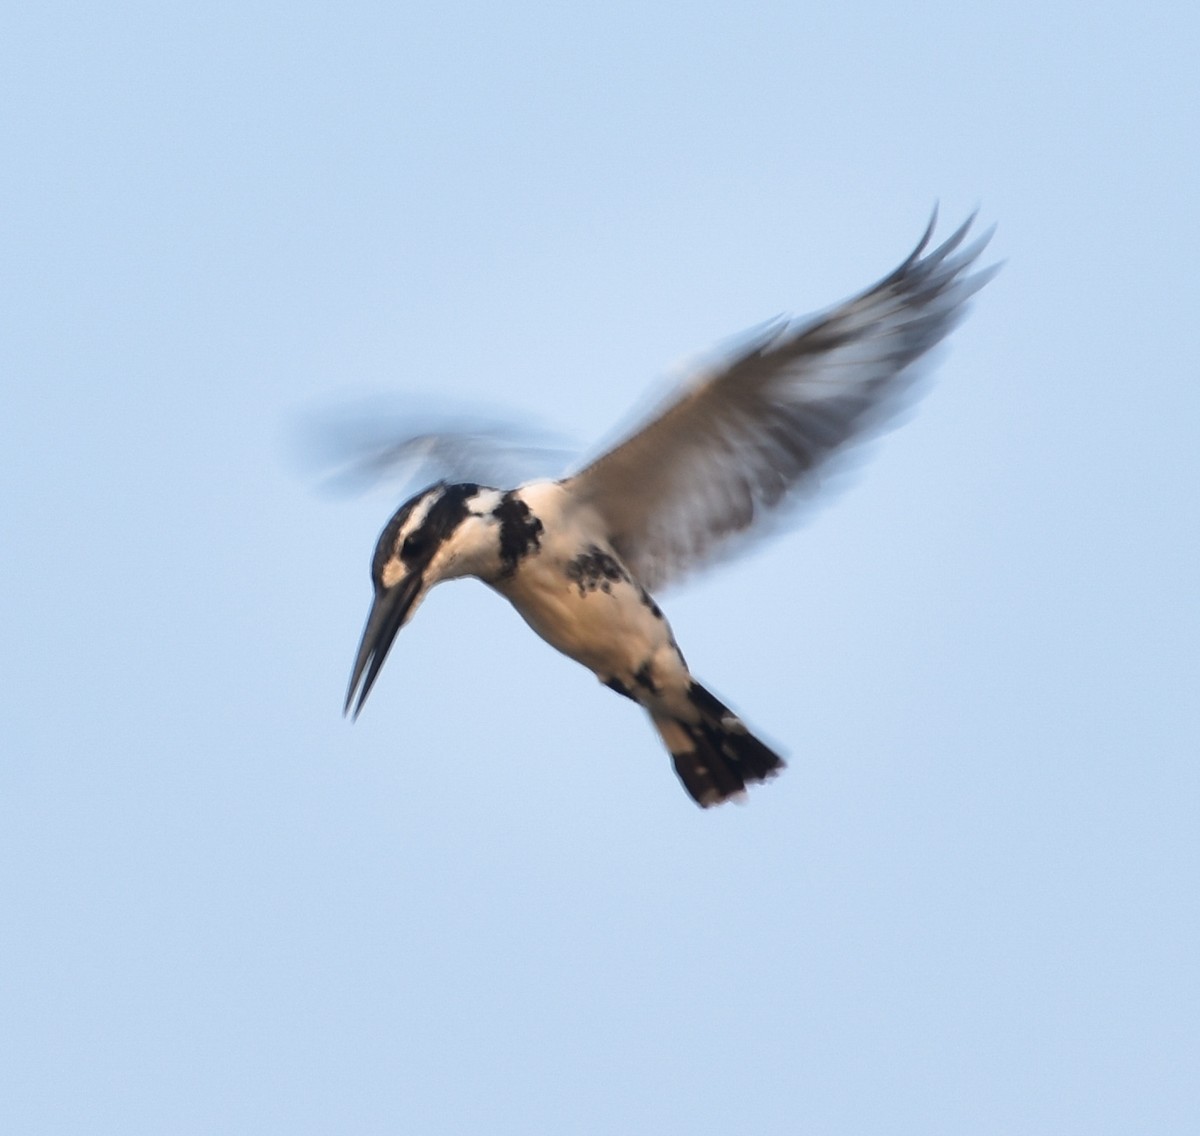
(744, 440)
(364, 449)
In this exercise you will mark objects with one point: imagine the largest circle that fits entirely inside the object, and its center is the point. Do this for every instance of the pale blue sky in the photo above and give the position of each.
(970, 906)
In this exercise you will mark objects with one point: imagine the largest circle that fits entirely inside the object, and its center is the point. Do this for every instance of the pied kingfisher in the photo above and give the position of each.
(579, 557)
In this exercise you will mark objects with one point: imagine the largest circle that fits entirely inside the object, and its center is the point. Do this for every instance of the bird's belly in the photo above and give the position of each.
(609, 625)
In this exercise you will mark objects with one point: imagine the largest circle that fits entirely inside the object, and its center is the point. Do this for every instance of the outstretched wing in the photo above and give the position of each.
(402, 446)
(740, 442)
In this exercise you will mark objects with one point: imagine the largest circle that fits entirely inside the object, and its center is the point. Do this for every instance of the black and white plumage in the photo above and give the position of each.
(579, 557)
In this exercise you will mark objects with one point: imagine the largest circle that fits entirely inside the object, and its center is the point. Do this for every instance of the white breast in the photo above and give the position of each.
(579, 597)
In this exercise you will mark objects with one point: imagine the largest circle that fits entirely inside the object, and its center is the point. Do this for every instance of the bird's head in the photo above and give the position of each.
(424, 543)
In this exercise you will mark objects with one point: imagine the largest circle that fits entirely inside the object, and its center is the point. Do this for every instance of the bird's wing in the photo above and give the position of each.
(742, 441)
(397, 447)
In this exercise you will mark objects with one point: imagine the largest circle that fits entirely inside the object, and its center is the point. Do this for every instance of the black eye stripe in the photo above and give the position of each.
(445, 513)
(414, 544)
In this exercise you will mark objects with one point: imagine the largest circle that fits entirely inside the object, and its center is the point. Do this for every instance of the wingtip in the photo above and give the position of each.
(926, 236)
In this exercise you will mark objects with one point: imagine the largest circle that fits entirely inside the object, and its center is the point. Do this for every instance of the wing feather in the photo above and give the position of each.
(740, 442)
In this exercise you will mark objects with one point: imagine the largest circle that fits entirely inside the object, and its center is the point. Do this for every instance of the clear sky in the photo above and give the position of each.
(969, 906)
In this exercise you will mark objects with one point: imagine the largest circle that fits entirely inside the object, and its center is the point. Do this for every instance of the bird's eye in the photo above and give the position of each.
(414, 545)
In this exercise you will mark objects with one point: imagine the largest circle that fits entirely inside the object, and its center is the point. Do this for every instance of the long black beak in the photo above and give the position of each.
(388, 614)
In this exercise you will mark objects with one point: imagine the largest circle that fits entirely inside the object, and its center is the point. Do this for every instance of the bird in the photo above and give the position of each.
(581, 558)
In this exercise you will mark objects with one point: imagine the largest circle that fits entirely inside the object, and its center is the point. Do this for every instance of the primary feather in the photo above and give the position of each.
(747, 438)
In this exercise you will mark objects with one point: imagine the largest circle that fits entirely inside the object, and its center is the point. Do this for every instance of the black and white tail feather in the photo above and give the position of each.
(579, 557)
(716, 757)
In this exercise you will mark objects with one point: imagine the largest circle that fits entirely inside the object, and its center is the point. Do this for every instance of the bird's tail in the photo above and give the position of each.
(716, 757)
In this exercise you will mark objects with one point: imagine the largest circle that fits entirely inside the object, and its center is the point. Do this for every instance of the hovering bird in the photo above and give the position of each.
(579, 557)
